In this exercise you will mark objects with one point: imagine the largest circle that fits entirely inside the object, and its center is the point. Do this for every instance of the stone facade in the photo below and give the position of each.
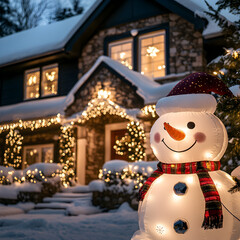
(185, 55)
(122, 92)
(185, 43)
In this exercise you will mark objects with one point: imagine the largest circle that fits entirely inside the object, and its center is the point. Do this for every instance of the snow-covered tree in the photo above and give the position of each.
(6, 25)
(66, 11)
(227, 68)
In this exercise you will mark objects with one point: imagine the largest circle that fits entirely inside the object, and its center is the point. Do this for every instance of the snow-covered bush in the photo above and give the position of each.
(31, 184)
(120, 182)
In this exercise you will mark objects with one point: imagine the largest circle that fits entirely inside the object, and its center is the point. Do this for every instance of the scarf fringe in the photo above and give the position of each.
(212, 222)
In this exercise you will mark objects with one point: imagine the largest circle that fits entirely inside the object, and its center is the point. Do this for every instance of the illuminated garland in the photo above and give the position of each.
(12, 154)
(32, 125)
(101, 106)
(32, 176)
(149, 110)
(66, 145)
(132, 143)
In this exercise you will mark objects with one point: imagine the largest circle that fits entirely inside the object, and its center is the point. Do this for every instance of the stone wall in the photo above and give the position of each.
(186, 44)
(122, 92)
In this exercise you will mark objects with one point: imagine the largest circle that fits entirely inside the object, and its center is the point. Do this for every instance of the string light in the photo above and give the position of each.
(12, 154)
(132, 143)
(67, 157)
(152, 51)
(149, 110)
(102, 105)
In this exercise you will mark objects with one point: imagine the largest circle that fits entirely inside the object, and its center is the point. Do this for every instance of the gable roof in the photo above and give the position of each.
(42, 40)
(61, 36)
(147, 88)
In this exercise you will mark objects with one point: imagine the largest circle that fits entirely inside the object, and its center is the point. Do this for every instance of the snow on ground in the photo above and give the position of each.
(117, 225)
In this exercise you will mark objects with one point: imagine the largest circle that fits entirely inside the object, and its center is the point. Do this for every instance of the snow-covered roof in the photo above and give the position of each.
(147, 88)
(199, 7)
(32, 109)
(52, 38)
(42, 39)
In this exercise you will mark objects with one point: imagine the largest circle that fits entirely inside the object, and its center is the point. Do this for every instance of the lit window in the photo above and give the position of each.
(152, 56)
(32, 79)
(38, 153)
(46, 77)
(121, 51)
(49, 80)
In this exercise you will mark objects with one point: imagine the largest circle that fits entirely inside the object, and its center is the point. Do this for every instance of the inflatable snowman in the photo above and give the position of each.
(187, 196)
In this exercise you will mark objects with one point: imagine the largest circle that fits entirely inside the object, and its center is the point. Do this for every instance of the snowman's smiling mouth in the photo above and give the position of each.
(181, 150)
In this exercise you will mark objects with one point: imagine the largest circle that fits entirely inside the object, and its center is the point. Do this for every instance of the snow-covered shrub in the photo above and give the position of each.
(120, 182)
(6, 175)
(31, 184)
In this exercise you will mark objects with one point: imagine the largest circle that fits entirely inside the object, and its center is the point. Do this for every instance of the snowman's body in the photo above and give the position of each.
(184, 136)
(161, 208)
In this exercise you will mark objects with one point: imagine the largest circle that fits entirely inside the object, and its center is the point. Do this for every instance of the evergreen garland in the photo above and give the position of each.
(66, 145)
(132, 144)
(12, 154)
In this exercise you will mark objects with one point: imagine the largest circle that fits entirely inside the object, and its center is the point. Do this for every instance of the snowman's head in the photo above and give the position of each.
(188, 134)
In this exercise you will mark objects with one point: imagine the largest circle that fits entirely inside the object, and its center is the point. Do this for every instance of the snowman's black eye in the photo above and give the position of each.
(191, 125)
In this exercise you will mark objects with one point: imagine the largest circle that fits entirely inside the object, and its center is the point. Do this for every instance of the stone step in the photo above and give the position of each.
(63, 199)
(51, 205)
(72, 195)
(47, 211)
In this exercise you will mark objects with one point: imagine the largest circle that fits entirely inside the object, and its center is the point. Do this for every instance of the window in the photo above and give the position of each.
(145, 52)
(152, 56)
(38, 153)
(46, 77)
(121, 51)
(49, 80)
(32, 80)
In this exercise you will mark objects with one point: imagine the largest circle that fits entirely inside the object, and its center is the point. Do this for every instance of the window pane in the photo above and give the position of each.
(32, 84)
(50, 81)
(152, 62)
(32, 156)
(47, 154)
(121, 51)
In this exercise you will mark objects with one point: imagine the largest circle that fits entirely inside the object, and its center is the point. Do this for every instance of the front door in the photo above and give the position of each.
(117, 135)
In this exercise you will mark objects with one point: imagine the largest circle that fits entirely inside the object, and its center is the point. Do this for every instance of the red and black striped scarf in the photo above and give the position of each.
(213, 217)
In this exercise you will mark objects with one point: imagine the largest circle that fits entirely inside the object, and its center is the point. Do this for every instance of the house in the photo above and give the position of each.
(97, 71)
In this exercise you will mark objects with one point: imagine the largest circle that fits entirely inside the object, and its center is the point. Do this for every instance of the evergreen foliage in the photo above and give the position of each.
(66, 152)
(66, 12)
(230, 29)
(227, 68)
(12, 154)
(132, 144)
(6, 25)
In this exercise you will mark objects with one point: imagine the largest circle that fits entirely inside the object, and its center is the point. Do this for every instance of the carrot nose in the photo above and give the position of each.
(176, 134)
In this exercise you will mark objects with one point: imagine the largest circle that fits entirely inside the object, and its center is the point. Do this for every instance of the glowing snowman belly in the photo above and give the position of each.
(162, 207)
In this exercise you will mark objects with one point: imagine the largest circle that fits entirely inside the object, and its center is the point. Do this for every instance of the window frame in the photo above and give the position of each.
(140, 32)
(121, 42)
(149, 35)
(37, 146)
(25, 81)
(55, 65)
(40, 69)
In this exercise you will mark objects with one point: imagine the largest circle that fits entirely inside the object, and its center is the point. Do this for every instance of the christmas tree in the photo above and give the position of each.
(132, 144)
(227, 67)
(12, 154)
